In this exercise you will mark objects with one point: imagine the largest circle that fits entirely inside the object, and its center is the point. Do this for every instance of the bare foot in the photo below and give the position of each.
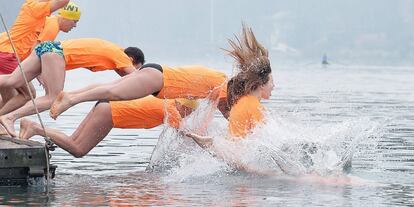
(8, 124)
(3, 132)
(61, 104)
(27, 129)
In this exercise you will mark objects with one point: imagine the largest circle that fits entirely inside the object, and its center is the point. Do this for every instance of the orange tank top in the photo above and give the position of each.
(193, 81)
(244, 116)
(144, 113)
(94, 54)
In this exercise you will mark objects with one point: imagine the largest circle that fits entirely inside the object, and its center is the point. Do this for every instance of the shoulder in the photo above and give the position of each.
(249, 100)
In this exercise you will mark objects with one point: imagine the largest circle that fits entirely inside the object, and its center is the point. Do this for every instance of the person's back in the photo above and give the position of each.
(245, 114)
(144, 113)
(94, 54)
(198, 79)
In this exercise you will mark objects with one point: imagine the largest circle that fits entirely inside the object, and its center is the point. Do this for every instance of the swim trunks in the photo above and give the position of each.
(8, 62)
(49, 46)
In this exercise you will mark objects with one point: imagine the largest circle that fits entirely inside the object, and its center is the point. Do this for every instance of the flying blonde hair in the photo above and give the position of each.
(252, 61)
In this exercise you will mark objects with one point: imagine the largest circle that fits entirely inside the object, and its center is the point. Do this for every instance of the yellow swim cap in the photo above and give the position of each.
(71, 11)
(187, 102)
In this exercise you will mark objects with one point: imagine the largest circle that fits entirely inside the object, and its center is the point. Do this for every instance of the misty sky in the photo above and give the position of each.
(372, 32)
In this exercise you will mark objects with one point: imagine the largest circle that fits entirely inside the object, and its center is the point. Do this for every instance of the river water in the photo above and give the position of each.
(339, 104)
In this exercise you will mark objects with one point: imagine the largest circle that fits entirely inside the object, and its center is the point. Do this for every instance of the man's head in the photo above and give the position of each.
(69, 17)
(136, 55)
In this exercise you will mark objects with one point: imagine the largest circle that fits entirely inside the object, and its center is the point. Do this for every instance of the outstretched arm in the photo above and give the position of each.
(57, 4)
(203, 141)
(206, 142)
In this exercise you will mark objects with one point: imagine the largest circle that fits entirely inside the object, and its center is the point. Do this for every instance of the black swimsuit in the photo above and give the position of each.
(155, 66)
(152, 65)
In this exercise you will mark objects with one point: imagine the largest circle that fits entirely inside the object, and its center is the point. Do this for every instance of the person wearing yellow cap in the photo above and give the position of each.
(32, 26)
(144, 113)
(70, 12)
(55, 58)
(65, 21)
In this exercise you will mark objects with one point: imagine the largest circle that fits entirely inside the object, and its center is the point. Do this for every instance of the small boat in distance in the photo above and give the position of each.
(325, 60)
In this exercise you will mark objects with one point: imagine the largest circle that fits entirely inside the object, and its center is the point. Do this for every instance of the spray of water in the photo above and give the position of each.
(281, 146)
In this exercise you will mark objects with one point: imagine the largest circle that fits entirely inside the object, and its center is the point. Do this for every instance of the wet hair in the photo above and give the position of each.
(252, 62)
(136, 54)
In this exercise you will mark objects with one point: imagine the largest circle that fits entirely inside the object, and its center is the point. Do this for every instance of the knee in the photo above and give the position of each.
(77, 153)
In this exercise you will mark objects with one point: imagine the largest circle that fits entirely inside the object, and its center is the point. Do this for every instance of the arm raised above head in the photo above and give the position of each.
(57, 4)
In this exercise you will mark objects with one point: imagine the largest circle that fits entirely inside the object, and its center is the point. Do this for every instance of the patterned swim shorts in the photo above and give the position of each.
(49, 46)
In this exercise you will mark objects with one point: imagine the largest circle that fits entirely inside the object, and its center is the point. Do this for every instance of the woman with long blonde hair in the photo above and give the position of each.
(252, 83)
(245, 90)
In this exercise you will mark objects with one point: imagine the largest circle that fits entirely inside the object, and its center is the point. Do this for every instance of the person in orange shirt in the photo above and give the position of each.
(144, 113)
(31, 27)
(252, 83)
(245, 90)
(192, 82)
(54, 58)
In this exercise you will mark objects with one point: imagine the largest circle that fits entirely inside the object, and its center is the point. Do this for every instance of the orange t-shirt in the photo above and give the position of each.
(192, 82)
(144, 113)
(26, 29)
(50, 30)
(244, 115)
(94, 54)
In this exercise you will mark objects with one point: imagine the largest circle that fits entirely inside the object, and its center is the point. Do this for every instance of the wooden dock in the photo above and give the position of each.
(21, 160)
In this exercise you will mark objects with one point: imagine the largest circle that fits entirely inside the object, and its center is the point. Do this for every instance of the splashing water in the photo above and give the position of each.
(180, 156)
(298, 148)
(281, 146)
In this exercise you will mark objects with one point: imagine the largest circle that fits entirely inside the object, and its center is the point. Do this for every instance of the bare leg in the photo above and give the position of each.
(53, 65)
(90, 87)
(92, 130)
(18, 100)
(6, 95)
(133, 86)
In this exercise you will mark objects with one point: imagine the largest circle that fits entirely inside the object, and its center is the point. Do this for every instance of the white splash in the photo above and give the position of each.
(283, 145)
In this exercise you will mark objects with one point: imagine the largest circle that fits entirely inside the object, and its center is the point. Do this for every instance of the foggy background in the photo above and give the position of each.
(369, 32)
